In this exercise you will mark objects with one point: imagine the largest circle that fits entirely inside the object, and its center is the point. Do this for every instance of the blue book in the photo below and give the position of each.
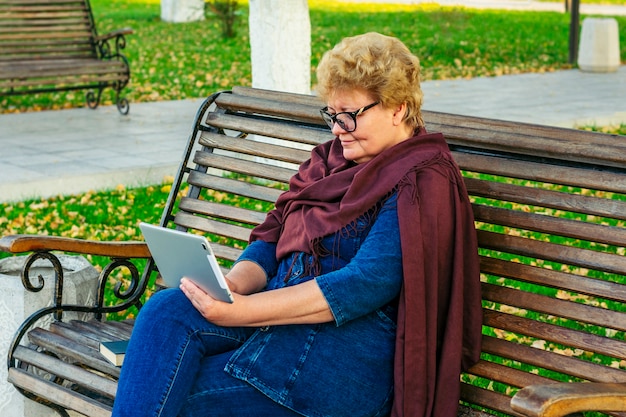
(114, 351)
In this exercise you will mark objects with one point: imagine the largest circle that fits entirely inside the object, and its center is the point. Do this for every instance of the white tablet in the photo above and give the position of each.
(179, 254)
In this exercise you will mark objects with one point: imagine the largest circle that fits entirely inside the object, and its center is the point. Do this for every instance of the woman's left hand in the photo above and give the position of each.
(215, 311)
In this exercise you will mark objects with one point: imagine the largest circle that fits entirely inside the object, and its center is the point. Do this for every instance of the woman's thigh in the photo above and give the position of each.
(217, 394)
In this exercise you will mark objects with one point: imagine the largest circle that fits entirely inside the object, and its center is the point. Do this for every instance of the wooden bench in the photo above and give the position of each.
(550, 210)
(53, 45)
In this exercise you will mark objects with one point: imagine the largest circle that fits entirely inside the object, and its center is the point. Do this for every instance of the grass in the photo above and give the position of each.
(178, 61)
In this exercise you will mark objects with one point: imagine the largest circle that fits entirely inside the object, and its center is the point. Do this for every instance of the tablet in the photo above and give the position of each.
(180, 254)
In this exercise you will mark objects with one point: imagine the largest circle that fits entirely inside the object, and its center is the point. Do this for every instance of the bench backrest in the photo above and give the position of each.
(549, 207)
(46, 29)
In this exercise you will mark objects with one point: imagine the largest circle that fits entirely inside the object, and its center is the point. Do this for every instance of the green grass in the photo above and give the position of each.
(177, 61)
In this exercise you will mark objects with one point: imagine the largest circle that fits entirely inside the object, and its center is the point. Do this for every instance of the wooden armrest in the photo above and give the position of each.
(124, 31)
(561, 399)
(29, 243)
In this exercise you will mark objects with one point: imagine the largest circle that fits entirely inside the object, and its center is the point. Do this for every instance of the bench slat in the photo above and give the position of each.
(212, 226)
(82, 66)
(271, 95)
(254, 148)
(102, 331)
(600, 261)
(593, 179)
(58, 33)
(547, 198)
(212, 209)
(557, 334)
(270, 128)
(544, 224)
(86, 82)
(549, 305)
(594, 149)
(98, 383)
(226, 252)
(73, 50)
(71, 332)
(58, 394)
(552, 361)
(302, 112)
(506, 375)
(245, 167)
(66, 347)
(488, 399)
(555, 279)
(228, 185)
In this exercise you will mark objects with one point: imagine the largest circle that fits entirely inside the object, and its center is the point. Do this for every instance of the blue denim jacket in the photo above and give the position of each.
(343, 368)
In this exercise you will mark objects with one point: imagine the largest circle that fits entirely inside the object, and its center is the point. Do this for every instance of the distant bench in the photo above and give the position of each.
(53, 45)
(550, 208)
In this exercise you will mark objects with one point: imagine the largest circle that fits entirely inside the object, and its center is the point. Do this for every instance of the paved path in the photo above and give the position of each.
(585, 9)
(69, 151)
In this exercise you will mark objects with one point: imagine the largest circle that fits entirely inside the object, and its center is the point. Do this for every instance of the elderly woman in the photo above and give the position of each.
(357, 296)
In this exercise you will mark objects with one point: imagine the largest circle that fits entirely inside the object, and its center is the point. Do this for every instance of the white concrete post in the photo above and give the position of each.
(16, 304)
(280, 43)
(599, 45)
(180, 11)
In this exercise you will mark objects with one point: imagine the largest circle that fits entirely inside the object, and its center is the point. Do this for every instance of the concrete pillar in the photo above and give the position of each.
(180, 11)
(280, 43)
(599, 45)
(16, 304)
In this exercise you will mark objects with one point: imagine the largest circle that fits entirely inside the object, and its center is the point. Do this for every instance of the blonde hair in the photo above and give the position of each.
(381, 65)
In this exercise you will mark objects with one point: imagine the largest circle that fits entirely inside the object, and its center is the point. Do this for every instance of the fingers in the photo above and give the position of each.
(199, 299)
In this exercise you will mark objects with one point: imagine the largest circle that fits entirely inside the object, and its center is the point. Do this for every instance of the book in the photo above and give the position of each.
(114, 351)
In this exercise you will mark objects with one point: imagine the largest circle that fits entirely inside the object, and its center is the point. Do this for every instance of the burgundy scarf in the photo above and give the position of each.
(439, 318)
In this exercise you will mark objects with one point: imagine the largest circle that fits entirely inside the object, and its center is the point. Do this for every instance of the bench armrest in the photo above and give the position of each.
(28, 243)
(560, 399)
(115, 33)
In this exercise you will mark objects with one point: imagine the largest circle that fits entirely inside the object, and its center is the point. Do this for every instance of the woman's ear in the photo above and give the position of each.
(399, 113)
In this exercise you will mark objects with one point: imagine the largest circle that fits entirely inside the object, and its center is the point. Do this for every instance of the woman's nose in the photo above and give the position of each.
(337, 129)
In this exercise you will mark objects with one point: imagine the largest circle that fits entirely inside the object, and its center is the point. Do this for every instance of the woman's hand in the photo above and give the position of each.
(300, 304)
(211, 309)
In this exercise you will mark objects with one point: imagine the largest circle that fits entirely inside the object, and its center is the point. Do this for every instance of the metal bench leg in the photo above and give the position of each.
(92, 100)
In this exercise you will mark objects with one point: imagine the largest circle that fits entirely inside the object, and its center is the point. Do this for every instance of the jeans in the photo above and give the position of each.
(174, 366)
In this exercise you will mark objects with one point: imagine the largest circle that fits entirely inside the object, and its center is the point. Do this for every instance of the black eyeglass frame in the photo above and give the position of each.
(331, 119)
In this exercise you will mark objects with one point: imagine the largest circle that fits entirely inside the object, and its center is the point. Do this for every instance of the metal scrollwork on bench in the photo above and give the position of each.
(135, 287)
(106, 52)
(128, 294)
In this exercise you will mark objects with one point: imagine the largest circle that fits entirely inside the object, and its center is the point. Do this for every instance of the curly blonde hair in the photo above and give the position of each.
(381, 65)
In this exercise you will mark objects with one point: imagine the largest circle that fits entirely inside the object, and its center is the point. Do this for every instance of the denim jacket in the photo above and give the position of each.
(342, 368)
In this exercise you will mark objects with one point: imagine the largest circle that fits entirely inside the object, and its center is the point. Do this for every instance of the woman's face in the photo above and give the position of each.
(377, 128)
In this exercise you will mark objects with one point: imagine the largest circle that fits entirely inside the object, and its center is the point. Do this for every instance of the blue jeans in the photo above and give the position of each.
(174, 366)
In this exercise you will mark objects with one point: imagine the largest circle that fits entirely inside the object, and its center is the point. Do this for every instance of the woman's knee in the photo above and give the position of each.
(167, 303)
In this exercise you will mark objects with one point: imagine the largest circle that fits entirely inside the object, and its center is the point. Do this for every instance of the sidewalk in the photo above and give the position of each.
(70, 151)
(521, 5)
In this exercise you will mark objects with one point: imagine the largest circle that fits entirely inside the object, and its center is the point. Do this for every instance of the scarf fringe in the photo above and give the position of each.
(352, 229)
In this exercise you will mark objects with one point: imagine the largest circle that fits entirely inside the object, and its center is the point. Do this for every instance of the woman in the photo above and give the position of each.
(369, 256)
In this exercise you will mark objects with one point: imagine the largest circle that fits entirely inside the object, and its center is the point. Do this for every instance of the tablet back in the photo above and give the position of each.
(179, 254)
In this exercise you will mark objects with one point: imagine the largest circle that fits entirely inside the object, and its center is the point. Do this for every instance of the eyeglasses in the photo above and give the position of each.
(345, 120)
